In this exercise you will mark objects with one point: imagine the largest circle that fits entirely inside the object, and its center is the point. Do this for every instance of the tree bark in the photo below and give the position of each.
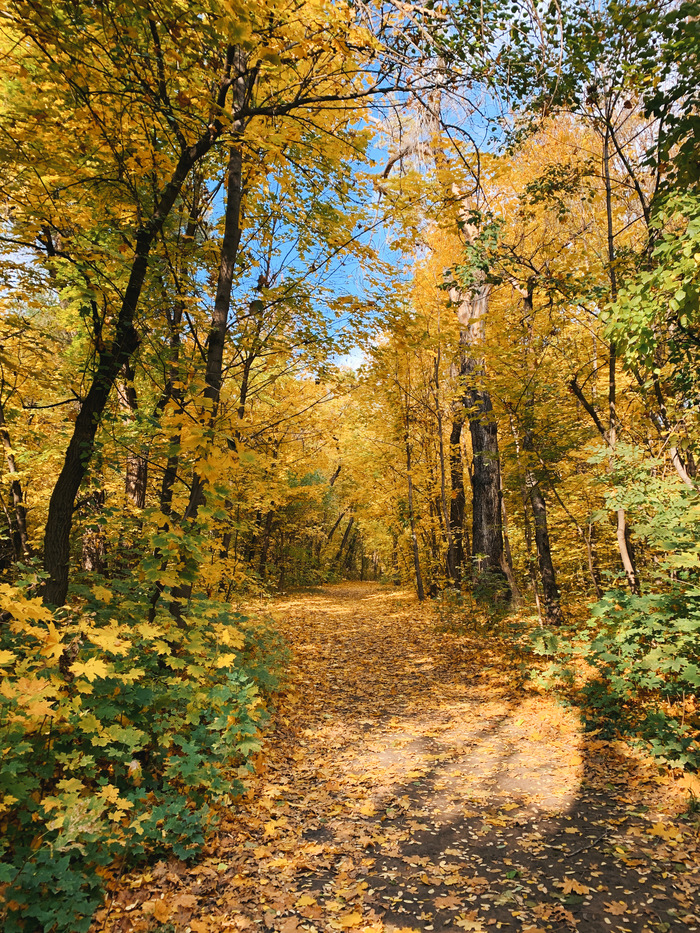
(262, 568)
(487, 527)
(550, 590)
(345, 540)
(457, 499)
(22, 546)
(622, 531)
(451, 561)
(218, 327)
(111, 361)
(411, 515)
(136, 473)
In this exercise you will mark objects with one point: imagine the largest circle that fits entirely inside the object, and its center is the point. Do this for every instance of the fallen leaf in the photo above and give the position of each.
(616, 908)
(161, 911)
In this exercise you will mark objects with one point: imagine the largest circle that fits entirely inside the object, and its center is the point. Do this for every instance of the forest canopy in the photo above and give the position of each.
(298, 292)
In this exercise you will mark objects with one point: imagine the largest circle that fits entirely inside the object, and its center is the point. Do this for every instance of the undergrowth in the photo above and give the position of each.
(121, 739)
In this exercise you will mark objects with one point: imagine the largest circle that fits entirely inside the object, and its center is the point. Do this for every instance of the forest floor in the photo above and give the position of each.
(414, 780)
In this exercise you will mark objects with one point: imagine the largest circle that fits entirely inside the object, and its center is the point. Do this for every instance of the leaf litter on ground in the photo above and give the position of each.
(414, 781)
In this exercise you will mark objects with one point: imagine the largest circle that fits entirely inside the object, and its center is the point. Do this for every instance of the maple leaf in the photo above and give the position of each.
(448, 901)
(90, 669)
(52, 646)
(571, 886)
(617, 908)
(475, 926)
(670, 832)
(290, 925)
(306, 900)
(161, 911)
(349, 921)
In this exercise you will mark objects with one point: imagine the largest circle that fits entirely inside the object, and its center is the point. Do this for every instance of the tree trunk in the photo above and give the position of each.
(487, 527)
(262, 567)
(550, 590)
(344, 541)
(218, 327)
(136, 474)
(623, 542)
(457, 500)
(111, 361)
(451, 561)
(411, 516)
(22, 546)
(507, 565)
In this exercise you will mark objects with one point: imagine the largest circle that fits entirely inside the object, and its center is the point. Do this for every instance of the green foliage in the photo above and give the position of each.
(121, 738)
(655, 319)
(645, 648)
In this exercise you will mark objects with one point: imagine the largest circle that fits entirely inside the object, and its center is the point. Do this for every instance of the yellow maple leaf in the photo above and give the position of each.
(348, 921)
(108, 639)
(161, 911)
(572, 886)
(91, 669)
(53, 646)
(225, 660)
(665, 832)
(306, 900)
(102, 593)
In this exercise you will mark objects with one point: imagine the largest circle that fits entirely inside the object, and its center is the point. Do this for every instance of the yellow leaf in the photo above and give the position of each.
(665, 832)
(108, 639)
(91, 669)
(225, 660)
(102, 593)
(347, 921)
(571, 886)
(6, 657)
(52, 647)
(161, 911)
(306, 900)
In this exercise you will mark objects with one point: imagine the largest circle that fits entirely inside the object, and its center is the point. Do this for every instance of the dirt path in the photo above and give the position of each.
(410, 784)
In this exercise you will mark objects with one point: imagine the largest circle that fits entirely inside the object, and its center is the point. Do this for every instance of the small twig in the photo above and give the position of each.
(589, 846)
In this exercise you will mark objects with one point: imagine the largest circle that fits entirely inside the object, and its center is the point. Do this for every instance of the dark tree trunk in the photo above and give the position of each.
(550, 590)
(136, 475)
(487, 527)
(551, 605)
(344, 541)
(22, 545)
(350, 556)
(111, 361)
(412, 518)
(222, 302)
(173, 391)
(457, 500)
(451, 564)
(335, 525)
(262, 569)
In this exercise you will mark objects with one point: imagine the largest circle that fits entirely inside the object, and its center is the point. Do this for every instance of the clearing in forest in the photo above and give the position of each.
(413, 780)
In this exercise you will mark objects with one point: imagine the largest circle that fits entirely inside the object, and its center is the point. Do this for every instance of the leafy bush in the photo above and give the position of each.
(645, 649)
(120, 738)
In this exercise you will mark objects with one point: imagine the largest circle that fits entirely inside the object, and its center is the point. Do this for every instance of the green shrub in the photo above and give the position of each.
(120, 739)
(645, 649)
